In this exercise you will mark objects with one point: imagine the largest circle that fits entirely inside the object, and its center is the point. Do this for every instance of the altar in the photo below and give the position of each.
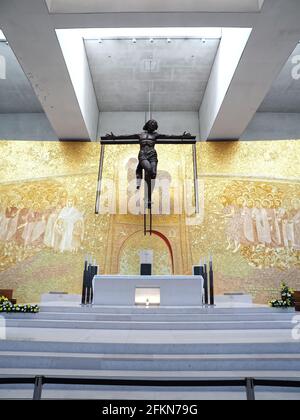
(109, 290)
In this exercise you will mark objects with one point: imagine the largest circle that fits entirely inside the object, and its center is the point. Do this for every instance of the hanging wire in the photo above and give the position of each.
(150, 113)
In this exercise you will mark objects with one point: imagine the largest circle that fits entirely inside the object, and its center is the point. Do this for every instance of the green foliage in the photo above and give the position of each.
(6, 306)
(287, 298)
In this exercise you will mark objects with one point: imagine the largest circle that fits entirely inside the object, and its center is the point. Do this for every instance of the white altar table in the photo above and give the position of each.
(169, 290)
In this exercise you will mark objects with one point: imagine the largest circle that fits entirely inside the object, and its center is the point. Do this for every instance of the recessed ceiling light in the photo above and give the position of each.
(151, 40)
(134, 41)
(169, 40)
(100, 41)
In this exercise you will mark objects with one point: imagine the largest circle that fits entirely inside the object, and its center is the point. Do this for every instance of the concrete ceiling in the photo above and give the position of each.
(177, 73)
(16, 93)
(284, 95)
(96, 6)
(239, 81)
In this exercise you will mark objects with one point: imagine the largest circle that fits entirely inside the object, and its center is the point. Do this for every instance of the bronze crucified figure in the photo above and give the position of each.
(148, 159)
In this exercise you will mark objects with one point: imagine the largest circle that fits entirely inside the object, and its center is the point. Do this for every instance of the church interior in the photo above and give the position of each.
(149, 200)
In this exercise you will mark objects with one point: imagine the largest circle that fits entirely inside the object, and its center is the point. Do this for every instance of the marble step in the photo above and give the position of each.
(162, 310)
(132, 393)
(90, 361)
(150, 336)
(156, 395)
(152, 317)
(142, 393)
(191, 348)
(150, 325)
(151, 374)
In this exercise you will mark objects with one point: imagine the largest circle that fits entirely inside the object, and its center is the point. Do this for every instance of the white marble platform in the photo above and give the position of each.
(60, 299)
(234, 300)
(174, 290)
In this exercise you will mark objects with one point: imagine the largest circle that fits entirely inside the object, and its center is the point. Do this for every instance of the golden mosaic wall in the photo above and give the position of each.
(250, 194)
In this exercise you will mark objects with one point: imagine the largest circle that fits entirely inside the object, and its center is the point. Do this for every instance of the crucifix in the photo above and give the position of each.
(148, 161)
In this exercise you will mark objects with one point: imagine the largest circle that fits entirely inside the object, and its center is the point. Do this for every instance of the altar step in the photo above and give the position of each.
(174, 348)
(183, 367)
(150, 375)
(135, 356)
(154, 317)
(172, 318)
(253, 309)
(91, 361)
(216, 324)
(155, 343)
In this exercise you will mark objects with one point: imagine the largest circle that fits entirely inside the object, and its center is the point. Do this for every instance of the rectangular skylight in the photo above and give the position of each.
(117, 33)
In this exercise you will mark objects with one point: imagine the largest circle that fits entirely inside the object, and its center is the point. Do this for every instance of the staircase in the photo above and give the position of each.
(154, 343)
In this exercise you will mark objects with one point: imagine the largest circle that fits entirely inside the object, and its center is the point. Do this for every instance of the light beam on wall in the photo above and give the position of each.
(2, 36)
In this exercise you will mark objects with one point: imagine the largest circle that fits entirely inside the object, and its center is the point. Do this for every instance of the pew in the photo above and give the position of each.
(297, 301)
(8, 293)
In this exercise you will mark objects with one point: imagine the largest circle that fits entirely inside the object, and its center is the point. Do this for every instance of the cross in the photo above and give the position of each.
(147, 160)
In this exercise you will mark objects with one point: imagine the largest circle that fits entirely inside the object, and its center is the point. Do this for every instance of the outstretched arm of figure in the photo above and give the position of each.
(122, 139)
(185, 137)
(111, 136)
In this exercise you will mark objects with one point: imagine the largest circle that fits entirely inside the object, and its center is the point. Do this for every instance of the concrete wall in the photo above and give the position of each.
(230, 51)
(264, 126)
(37, 127)
(273, 126)
(26, 127)
(133, 122)
(74, 52)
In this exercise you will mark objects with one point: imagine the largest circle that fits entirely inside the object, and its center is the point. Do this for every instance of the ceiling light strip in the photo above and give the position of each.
(134, 33)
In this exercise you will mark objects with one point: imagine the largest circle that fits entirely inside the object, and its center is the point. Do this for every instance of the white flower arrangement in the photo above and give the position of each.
(287, 299)
(7, 307)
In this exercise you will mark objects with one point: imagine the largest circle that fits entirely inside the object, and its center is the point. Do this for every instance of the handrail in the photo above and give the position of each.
(248, 383)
